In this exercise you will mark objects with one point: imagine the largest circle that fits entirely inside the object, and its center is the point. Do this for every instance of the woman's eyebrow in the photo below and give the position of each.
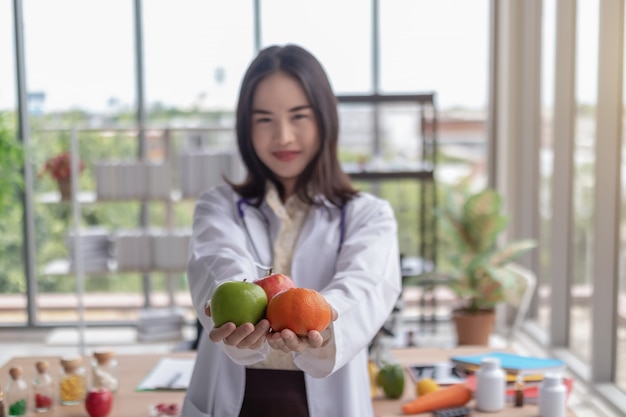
(261, 111)
(298, 108)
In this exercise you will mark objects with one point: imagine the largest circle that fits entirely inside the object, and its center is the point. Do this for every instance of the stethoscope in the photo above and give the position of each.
(258, 263)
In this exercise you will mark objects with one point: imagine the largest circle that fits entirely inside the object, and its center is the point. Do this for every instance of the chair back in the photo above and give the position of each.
(519, 295)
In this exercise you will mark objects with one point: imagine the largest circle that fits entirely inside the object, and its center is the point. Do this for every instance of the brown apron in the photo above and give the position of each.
(274, 392)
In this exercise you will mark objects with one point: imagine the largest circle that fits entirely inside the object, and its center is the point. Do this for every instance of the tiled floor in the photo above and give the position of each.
(124, 340)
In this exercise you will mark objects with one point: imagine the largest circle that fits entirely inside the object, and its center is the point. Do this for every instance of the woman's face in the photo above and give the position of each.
(285, 134)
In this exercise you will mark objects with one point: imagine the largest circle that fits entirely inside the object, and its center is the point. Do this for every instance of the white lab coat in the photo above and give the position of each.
(362, 282)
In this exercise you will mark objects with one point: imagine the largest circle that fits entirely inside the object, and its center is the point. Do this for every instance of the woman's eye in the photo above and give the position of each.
(262, 120)
(300, 116)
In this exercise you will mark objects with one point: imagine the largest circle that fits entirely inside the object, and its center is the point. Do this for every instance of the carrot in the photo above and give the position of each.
(456, 395)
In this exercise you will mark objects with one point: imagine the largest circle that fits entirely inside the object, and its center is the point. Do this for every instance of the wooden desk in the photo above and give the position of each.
(134, 368)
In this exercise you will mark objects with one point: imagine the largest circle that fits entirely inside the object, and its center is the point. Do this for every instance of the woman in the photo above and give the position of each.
(297, 212)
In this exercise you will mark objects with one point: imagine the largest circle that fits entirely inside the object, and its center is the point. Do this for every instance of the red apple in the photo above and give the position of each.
(275, 283)
(98, 402)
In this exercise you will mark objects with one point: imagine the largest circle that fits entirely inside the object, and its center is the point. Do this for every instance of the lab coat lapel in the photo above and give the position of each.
(259, 230)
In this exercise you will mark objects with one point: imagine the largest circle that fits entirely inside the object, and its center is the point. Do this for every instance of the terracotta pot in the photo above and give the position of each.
(65, 188)
(473, 328)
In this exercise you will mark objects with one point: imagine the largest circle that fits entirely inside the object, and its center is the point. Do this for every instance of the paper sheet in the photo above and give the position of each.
(168, 374)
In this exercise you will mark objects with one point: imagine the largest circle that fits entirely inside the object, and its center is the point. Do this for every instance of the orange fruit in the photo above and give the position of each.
(299, 310)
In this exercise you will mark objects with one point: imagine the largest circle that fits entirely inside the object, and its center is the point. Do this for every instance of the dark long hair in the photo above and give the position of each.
(323, 175)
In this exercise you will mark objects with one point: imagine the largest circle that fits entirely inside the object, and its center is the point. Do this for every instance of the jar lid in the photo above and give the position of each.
(103, 356)
(70, 364)
(552, 379)
(15, 372)
(490, 363)
(42, 367)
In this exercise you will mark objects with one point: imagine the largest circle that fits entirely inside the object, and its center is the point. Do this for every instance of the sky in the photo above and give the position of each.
(80, 53)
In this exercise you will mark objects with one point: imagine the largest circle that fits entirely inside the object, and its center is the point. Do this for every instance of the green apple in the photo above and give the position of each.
(238, 301)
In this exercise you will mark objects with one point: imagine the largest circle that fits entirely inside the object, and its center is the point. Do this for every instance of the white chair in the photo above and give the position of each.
(519, 294)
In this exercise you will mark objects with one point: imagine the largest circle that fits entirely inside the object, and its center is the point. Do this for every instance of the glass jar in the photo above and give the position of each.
(104, 371)
(16, 393)
(2, 414)
(73, 381)
(43, 388)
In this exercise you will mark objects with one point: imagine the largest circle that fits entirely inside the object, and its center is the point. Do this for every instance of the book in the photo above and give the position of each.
(512, 363)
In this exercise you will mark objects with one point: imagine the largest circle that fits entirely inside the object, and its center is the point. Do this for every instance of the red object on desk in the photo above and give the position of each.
(531, 390)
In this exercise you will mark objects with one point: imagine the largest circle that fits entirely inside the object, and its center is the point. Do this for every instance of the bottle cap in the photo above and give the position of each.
(552, 379)
(103, 356)
(42, 367)
(15, 372)
(70, 364)
(490, 363)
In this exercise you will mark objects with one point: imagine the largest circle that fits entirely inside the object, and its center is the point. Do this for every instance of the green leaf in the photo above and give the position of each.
(512, 251)
(486, 202)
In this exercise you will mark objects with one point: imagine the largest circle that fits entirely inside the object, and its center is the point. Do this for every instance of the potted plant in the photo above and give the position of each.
(476, 267)
(59, 168)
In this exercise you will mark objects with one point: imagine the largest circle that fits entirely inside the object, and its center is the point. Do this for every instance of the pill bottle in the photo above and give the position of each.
(490, 386)
(43, 388)
(16, 393)
(552, 396)
(104, 369)
(72, 381)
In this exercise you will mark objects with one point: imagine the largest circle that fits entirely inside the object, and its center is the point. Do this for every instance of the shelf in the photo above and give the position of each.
(392, 175)
(62, 267)
(84, 197)
(90, 197)
(59, 267)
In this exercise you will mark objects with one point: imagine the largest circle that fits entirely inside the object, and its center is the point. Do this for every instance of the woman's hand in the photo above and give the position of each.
(287, 341)
(246, 336)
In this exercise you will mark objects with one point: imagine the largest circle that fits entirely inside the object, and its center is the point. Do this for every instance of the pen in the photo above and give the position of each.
(170, 383)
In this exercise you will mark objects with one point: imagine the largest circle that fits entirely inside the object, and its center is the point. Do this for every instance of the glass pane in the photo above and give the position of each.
(79, 55)
(584, 181)
(546, 158)
(338, 33)
(7, 58)
(419, 54)
(194, 67)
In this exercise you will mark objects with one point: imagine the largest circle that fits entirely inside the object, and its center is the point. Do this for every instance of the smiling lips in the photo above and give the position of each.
(285, 156)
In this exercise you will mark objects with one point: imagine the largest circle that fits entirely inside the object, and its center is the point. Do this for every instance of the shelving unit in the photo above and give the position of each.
(423, 172)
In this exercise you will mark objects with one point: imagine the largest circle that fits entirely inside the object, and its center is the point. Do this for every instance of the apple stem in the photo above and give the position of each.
(269, 271)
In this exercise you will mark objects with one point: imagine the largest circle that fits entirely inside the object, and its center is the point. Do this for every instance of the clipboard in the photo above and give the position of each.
(169, 374)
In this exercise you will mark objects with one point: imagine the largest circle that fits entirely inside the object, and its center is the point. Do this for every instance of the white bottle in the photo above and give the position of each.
(490, 386)
(552, 396)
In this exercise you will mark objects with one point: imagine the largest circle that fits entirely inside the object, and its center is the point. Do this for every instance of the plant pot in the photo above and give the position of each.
(473, 328)
(65, 188)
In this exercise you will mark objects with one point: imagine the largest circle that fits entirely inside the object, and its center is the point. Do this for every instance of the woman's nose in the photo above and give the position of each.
(284, 132)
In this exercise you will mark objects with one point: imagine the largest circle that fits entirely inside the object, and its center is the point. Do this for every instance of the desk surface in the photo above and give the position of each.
(134, 368)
